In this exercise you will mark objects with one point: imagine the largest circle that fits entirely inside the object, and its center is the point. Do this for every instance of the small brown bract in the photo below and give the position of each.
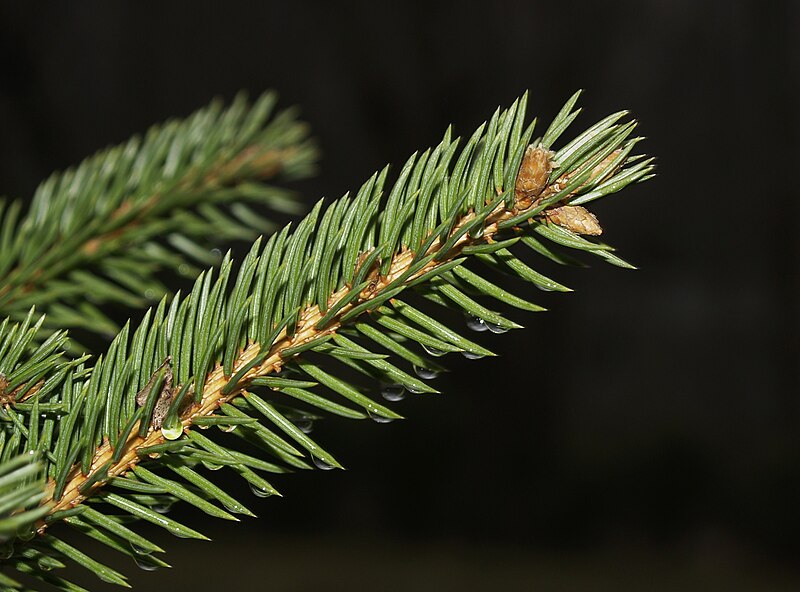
(165, 396)
(372, 275)
(575, 218)
(4, 400)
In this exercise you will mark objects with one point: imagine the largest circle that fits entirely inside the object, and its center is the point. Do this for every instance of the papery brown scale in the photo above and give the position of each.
(165, 395)
(3, 387)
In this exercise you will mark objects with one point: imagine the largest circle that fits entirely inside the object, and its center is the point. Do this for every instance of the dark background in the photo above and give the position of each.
(643, 434)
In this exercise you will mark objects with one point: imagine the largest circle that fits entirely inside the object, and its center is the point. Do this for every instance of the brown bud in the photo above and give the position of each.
(575, 218)
(597, 170)
(537, 164)
(564, 180)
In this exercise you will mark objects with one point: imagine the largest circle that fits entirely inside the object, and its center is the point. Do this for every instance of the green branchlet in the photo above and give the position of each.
(100, 234)
(259, 353)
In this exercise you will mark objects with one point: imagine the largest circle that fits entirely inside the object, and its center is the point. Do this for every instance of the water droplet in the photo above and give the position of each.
(183, 269)
(140, 550)
(202, 427)
(544, 288)
(393, 392)
(163, 508)
(145, 565)
(477, 324)
(496, 328)
(216, 252)
(26, 535)
(472, 355)
(379, 418)
(172, 432)
(44, 564)
(150, 294)
(211, 466)
(305, 424)
(259, 491)
(6, 550)
(227, 428)
(433, 351)
(154, 455)
(477, 233)
(425, 373)
(321, 464)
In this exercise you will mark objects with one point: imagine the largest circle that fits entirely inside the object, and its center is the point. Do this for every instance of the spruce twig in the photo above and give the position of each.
(307, 302)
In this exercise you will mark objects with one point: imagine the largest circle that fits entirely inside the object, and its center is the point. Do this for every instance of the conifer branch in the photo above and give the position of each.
(302, 305)
(306, 332)
(98, 229)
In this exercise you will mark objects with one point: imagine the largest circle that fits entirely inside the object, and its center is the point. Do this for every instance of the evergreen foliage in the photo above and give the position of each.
(262, 349)
(100, 234)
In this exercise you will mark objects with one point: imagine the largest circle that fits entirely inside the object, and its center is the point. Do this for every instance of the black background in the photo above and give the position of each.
(643, 434)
